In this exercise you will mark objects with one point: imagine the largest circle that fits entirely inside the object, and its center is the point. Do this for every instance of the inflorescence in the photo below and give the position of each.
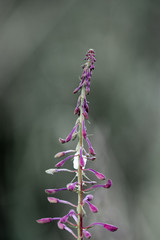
(80, 155)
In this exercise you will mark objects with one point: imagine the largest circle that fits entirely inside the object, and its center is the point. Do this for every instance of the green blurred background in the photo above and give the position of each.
(42, 47)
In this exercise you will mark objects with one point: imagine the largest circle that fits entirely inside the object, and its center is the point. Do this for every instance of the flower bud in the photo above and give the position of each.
(85, 114)
(92, 152)
(91, 158)
(89, 197)
(71, 186)
(110, 227)
(51, 191)
(61, 140)
(82, 163)
(92, 207)
(53, 200)
(51, 171)
(60, 164)
(86, 105)
(107, 226)
(108, 184)
(69, 137)
(60, 225)
(98, 174)
(64, 219)
(76, 110)
(84, 133)
(59, 154)
(44, 220)
(87, 234)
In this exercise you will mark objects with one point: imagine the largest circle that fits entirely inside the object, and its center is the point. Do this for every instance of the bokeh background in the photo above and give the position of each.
(42, 47)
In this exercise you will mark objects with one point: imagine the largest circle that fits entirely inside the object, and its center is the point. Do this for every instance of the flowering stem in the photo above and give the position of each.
(80, 175)
(80, 157)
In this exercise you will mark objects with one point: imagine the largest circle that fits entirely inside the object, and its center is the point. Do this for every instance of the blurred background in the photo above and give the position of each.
(42, 47)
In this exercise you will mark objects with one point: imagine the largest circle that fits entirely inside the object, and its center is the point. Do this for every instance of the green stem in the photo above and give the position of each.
(80, 171)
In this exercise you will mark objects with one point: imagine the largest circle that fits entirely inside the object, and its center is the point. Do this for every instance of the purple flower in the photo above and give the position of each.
(89, 182)
(80, 183)
(62, 140)
(71, 186)
(62, 226)
(98, 174)
(61, 154)
(107, 185)
(86, 105)
(110, 227)
(85, 114)
(46, 220)
(91, 158)
(70, 214)
(79, 87)
(69, 137)
(55, 170)
(87, 234)
(91, 150)
(88, 89)
(53, 200)
(52, 191)
(84, 133)
(77, 109)
(56, 200)
(70, 231)
(82, 163)
(89, 197)
(61, 163)
(92, 207)
(107, 226)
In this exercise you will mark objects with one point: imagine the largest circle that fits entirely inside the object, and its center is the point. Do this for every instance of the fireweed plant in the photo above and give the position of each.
(83, 152)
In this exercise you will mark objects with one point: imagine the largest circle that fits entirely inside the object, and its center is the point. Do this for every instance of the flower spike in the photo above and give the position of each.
(80, 183)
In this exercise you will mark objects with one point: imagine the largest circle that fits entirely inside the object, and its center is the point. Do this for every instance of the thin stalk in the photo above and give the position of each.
(80, 175)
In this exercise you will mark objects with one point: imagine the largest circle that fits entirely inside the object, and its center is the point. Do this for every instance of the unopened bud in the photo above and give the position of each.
(61, 140)
(59, 154)
(44, 220)
(53, 200)
(51, 171)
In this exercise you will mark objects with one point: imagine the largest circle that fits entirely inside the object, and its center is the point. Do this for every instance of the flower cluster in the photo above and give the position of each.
(83, 152)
